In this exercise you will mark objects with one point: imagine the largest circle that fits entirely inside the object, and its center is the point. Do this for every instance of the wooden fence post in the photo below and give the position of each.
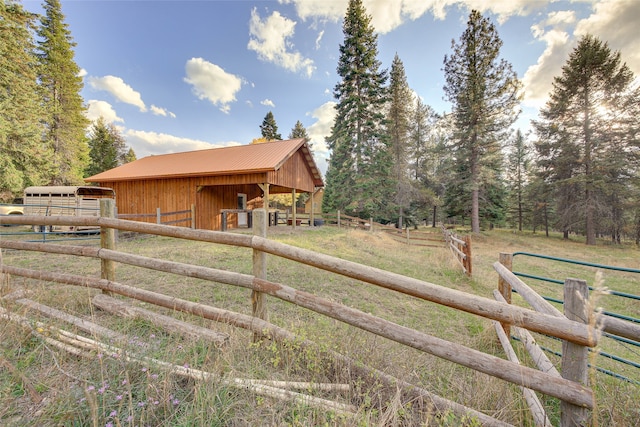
(158, 216)
(258, 299)
(107, 240)
(575, 357)
(338, 219)
(193, 216)
(467, 252)
(371, 225)
(505, 288)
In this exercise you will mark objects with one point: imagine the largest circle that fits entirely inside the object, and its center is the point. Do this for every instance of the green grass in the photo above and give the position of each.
(72, 386)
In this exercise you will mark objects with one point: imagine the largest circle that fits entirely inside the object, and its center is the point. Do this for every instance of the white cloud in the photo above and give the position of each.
(616, 22)
(321, 128)
(211, 82)
(158, 111)
(119, 89)
(270, 39)
(538, 78)
(150, 143)
(319, 39)
(612, 21)
(268, 103)
(387, 15)
(97, 109)
(82, 72)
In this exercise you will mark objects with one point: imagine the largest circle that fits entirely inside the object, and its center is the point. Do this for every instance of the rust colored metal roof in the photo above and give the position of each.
(264, 157)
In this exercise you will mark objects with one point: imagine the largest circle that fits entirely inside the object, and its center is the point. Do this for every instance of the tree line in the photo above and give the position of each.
(392, 158)
(45, 136)
(397, 161)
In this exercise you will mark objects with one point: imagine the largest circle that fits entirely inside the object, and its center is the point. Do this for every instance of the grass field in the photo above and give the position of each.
(41, 385)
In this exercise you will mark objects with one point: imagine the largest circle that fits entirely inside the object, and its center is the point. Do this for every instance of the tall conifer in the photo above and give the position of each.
(587, 140)
(24, 160)
(359, 178)
(484, 92)
(399, 116)
(269, 128)
(61, 85)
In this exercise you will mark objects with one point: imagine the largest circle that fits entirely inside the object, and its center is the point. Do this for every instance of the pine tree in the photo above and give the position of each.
(23, 160)
(61, 86)
(359, 178)
(398, 127)
(107, 148)
(484, 93)
(269, 128)
(518, 162)
(587, 139)
(299, 131)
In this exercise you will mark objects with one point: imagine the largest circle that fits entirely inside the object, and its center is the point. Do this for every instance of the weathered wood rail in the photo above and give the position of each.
(460, 248)
(574, 356)
(578, 333)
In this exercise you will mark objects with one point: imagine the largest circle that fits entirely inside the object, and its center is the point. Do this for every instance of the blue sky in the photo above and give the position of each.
(185, 75)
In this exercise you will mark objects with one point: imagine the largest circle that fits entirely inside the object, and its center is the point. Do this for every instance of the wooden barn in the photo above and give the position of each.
(231, 180)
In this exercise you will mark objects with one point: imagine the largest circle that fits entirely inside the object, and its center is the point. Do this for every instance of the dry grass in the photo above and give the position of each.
(106, 389)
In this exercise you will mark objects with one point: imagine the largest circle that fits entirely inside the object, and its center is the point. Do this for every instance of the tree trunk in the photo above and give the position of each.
(475, 211)
(433, 223)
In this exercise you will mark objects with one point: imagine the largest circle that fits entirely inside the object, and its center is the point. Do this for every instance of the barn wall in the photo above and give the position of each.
(209, 194)
(212, 199)
(177, 194)
(294, 173)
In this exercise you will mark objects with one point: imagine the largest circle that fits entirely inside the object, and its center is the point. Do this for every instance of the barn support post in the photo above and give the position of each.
(575, 357)
(312, 214)
(107, 239)
(258, 299)
(293, 208)
(265, 195)
(504, 287)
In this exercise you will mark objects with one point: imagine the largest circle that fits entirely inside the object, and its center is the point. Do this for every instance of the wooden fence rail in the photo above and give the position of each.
(574, 356)
(572, 331)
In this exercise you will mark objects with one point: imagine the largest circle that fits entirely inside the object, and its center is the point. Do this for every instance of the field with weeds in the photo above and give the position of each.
(45, 386)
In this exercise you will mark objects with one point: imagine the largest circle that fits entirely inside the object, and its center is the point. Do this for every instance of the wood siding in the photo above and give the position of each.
(209, 194)
(294, 173)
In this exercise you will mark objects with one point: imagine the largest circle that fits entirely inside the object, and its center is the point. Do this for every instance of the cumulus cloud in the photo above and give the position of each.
(270, 39)
(150, 143)
(387, 15)
(158, 111)
(268, 103)
(612, 21)
(321, 128)
(211, 82)
(119, 89)
(97, 109)
(538, 78)
(616, 22)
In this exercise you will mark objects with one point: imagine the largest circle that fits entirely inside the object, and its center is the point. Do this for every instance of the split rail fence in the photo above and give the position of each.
(576, 396)
(460, 248)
